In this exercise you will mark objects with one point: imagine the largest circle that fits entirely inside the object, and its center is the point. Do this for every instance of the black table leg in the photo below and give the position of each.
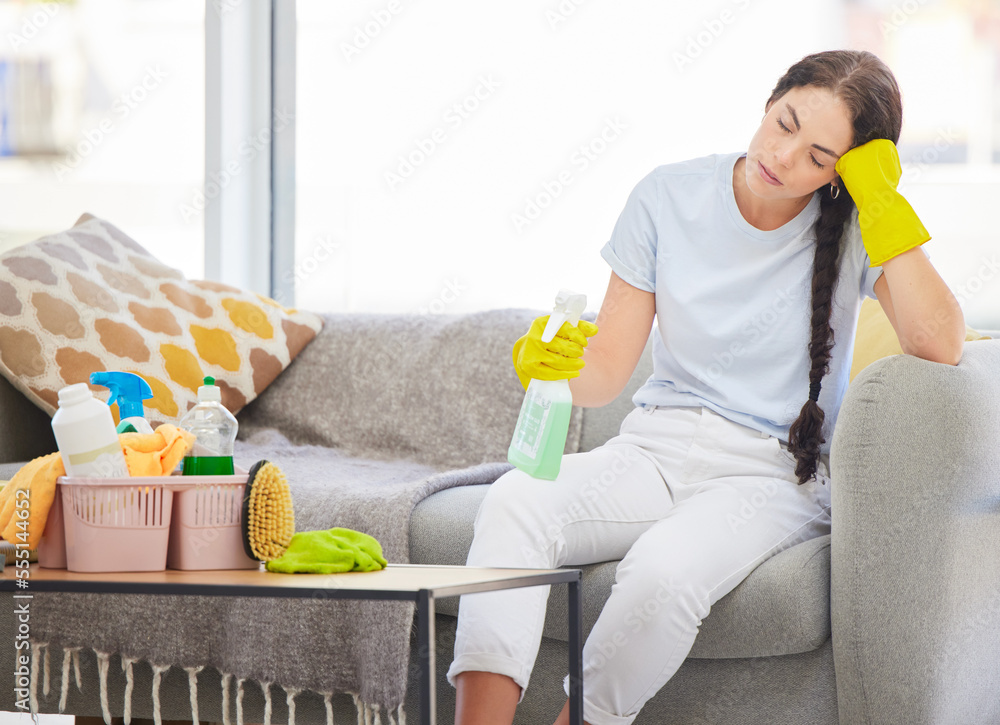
(426, 658)
(575, 653)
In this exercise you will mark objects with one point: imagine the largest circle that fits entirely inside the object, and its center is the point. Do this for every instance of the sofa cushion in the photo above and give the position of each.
(783, 607)
(90, 299)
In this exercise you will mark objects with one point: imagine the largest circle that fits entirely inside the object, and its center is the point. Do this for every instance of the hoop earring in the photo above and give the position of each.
(834, 191)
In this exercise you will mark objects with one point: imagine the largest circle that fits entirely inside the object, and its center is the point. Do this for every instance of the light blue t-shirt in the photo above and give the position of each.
(732, 301)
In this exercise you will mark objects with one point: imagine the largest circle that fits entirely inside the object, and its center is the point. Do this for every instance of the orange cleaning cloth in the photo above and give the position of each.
(38, 480)
(146, 454)
(156, 453)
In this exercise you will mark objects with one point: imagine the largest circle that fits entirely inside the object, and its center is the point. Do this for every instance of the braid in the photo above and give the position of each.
(870, 92)
(806, 434)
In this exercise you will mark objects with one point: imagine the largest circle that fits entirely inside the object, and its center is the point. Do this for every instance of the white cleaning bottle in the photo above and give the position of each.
(540, 436)
(86, 437)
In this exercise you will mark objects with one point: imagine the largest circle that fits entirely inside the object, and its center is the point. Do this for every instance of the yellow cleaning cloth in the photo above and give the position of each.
(156, 453)
(146, 454)
(38, 478)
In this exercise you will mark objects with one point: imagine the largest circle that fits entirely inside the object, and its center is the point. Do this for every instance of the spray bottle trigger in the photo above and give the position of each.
(556, 320)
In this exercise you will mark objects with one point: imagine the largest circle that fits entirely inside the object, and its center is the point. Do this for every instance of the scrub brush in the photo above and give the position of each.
(268, 520)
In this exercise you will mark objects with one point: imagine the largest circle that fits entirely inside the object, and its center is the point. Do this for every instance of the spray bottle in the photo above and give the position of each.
(540, 436)
(128, 390)
(214, 430)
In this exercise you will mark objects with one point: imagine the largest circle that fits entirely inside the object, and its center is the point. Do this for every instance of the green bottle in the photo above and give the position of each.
(214, 429)
(540, 435)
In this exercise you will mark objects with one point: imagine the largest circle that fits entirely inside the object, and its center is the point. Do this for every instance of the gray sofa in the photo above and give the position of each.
(895, 618)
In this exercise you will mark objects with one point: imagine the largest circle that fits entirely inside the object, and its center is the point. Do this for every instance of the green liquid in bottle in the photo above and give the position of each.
(208, 466)
(540, 437)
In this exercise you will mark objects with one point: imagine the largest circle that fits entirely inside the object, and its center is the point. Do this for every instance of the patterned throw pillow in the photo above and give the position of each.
(91, 298)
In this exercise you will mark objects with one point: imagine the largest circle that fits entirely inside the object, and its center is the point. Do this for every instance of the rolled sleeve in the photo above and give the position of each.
(631, 251)
(622, 269)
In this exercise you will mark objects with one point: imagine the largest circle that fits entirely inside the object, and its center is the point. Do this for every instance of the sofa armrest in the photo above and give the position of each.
(915, 570)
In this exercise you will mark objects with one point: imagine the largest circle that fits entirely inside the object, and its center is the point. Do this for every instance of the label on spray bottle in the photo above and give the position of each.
(531, 423)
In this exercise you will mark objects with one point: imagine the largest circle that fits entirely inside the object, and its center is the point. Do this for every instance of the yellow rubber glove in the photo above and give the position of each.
(889, 226)
(555, 360)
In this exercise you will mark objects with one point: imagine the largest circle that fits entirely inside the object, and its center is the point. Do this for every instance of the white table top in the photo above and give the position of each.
(397, 581)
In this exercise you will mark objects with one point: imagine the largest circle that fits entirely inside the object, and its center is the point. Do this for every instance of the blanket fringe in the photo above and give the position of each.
(266, 687)
(193, 691)
(127, 663)
(76, 668)
(33, 684)
(103, 661)
(45, 680)
(290, 693)
(239, 702)
(64, 681)
(226, 678)
(158, 671)
(360, 708)
(328, 701)
(40, 658)
(70, 654)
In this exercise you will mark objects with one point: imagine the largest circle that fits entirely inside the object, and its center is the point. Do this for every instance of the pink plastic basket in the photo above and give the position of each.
(115, 524)
(205, 532)
(52, 545)
(148, 524)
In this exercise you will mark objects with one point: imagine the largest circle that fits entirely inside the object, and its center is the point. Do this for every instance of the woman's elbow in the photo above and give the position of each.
(945, 348)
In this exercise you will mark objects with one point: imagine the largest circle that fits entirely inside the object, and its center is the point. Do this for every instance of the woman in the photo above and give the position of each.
(754, 266)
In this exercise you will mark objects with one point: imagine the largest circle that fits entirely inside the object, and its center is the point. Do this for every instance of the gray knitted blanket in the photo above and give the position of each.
(326, 646)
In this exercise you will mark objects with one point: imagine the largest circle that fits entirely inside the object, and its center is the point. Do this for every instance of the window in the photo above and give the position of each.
(102, 111)
(460, 156)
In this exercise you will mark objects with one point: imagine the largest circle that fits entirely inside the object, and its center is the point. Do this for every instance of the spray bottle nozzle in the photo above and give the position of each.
(127, 389)
(568, 308)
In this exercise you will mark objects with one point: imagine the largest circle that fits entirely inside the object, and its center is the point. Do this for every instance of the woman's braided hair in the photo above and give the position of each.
(868, 89)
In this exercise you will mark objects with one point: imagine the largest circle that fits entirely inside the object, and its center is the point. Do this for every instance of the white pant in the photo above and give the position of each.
(689, 501)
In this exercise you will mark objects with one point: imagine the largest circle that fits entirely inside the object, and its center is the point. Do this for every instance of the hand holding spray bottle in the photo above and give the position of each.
(540, 436)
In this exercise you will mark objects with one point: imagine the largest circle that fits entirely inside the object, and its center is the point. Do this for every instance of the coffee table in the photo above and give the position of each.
(420, 584)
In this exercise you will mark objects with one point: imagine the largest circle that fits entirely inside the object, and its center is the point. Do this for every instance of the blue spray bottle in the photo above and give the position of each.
(540, 436)
(128, 390)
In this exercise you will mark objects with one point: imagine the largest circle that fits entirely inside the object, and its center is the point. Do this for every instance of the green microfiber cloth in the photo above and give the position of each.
(329, 552)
